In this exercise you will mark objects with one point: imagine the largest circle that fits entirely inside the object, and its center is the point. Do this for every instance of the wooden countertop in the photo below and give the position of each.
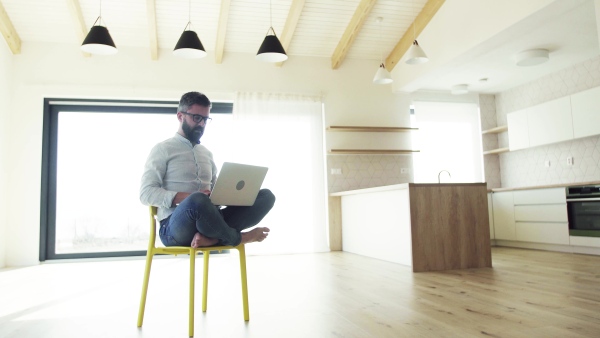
(401, 186)
(559, 185)
(405, 186)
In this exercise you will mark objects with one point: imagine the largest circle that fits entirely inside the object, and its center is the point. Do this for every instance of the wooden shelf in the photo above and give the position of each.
(496, 151)
(372, 151)
(370, 129)
(496, 130)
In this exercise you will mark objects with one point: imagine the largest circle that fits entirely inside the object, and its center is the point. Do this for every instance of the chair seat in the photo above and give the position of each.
(186, 249)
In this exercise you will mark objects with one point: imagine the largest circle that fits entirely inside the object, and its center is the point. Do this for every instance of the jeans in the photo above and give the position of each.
(196, 213)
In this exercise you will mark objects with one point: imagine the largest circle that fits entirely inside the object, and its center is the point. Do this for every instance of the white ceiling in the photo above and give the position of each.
(567, 28)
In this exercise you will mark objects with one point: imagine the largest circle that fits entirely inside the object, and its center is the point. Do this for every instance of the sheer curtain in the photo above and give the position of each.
(285, 133)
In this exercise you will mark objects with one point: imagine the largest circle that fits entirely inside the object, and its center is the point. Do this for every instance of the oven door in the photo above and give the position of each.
(584, 216)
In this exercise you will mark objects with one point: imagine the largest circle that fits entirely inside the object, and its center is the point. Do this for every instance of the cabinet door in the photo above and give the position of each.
(541, 196)
(518, 133)
(541, 213)
(551, 233)
(550, 122)
(491, 215)
(585, 108)
(504, 216)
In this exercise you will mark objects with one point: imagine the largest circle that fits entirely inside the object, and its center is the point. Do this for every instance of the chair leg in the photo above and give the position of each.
(205, 281)
(242, 252)
(192, 284)
(140, 320)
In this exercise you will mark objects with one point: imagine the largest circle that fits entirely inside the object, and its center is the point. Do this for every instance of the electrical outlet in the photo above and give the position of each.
(547, 163)
(336, 171)
(569, 160)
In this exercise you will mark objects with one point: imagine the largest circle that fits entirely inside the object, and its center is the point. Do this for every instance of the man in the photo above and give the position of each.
(178, 177)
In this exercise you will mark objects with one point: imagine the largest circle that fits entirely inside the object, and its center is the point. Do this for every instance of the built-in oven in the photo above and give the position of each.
(583, 207)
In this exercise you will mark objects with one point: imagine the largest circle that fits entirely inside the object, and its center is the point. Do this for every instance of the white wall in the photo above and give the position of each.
(5, 95)
(54, 70)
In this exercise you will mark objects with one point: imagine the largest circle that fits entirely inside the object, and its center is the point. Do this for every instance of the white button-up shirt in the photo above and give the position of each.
(175, 165)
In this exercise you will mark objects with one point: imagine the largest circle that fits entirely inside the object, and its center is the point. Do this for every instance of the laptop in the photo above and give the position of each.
(237, 184)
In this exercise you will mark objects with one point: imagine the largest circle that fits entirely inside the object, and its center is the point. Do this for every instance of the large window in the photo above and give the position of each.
(94, 153)
(449, 138)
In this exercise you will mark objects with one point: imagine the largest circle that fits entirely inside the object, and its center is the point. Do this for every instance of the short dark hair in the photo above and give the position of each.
(191, 98)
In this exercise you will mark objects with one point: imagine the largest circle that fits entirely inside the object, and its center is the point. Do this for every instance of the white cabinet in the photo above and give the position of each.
(518, 132)
(585, 108)
(546, 123)
(550, 233)
(541, 216)
(550, 122)
(540, 196)
(504, 216)
(541, 213)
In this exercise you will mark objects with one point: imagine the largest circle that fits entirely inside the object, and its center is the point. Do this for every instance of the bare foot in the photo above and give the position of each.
(201, 241)
(255, 235)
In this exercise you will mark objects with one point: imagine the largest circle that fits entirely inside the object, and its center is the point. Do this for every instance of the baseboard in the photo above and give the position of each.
(549, 247)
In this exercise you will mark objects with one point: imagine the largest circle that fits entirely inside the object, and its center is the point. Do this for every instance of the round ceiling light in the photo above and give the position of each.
(532, 57)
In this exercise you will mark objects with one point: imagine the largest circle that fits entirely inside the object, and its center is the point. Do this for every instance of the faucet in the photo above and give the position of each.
(441, 173)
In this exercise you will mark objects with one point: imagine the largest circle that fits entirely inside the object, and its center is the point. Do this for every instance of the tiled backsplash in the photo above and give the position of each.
(527, 167)
(366, 171)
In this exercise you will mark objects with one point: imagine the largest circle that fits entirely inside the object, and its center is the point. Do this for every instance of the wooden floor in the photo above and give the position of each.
(526, 294)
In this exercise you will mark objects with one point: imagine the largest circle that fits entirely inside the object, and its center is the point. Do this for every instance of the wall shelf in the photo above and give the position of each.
(372, 151)
(370, 129)
(363, 129)
(495, 130)
(496, 151)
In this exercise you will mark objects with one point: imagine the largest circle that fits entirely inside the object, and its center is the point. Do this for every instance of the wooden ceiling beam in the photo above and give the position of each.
(352, 30)
(9, 33)
(420, 22)
(77, 15)
(152, 31)
(222, 31)
(290, 25)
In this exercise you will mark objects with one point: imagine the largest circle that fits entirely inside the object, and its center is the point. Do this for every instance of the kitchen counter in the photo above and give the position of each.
(430, 227)
(559, 185)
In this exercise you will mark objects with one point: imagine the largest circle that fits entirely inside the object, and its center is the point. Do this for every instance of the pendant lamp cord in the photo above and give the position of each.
(189, 24)
(271, 14)
(380, 44)
(271, 29)
(414, 24)
(99, 16)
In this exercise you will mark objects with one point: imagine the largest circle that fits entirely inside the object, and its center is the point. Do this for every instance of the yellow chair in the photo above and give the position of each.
(182, 250)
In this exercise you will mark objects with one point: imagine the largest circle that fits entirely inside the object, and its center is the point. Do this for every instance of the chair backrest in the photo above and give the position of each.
(152, 240)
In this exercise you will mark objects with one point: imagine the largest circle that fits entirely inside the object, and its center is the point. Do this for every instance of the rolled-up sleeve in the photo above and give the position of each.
(151, 188)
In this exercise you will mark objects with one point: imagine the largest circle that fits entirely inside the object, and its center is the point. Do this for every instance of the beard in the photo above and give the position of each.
(192, 134)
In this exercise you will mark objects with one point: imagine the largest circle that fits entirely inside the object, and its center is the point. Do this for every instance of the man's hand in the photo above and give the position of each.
(206, 192)
(180, 196)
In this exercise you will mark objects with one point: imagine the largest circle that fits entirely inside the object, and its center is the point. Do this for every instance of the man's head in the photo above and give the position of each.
(193, 113)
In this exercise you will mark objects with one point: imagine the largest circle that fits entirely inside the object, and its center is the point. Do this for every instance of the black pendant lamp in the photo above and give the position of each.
(271, 49)
(189, 46)
(98, 40)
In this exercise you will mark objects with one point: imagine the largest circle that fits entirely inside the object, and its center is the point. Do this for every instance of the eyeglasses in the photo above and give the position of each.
(197, 118)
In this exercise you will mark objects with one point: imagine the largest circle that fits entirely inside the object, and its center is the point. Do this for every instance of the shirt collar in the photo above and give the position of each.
(184, 140)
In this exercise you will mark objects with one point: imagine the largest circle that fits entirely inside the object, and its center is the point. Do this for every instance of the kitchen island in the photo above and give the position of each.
(430, 227)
